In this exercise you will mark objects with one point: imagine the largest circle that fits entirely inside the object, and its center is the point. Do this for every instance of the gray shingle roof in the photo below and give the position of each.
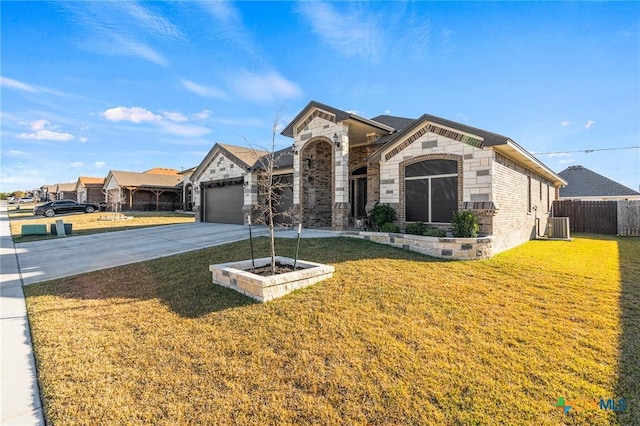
(134, 179)
(582, 182)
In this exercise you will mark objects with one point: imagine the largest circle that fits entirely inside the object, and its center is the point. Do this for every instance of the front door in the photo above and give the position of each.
(358, 192)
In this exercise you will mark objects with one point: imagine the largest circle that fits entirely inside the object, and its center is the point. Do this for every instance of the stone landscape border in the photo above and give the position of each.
(442, 247)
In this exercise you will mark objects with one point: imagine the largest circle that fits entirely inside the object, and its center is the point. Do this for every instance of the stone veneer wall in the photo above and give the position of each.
(445, 248)
(316, 185)
(474, 169)
(320, 127)
(514, 222)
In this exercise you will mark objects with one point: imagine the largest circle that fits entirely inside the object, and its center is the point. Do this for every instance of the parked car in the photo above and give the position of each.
(24, 200)
(53, 208)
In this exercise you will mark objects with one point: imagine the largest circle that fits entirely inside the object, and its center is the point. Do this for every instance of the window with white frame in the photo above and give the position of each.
(431, 191)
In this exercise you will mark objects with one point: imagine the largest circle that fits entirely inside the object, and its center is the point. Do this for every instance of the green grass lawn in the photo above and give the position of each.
(393, 338)
(92, 223)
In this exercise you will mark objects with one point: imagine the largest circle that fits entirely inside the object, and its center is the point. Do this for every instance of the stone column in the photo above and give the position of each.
(341, 207)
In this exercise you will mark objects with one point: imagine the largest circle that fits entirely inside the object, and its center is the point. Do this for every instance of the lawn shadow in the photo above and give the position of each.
(183, 282)
(628, 386)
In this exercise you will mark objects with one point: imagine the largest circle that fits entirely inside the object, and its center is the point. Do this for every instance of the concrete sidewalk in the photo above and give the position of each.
(20, 396)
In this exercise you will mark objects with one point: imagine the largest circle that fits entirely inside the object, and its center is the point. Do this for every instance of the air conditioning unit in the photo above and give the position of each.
(559, 228)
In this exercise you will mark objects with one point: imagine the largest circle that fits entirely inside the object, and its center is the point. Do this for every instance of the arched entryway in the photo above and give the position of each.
(316, 183)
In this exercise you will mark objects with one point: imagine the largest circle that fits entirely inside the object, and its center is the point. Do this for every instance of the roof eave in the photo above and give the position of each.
(514, 151)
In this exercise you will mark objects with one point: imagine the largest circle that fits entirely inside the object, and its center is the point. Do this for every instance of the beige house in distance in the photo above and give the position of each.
(341, 165)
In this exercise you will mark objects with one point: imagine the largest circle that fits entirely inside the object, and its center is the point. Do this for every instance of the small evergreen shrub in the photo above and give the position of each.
(464, 224)
(382, 214)
(390, 227)
(421, 228)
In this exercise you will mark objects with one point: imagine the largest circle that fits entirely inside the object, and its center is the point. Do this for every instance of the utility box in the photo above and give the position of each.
(68, 227)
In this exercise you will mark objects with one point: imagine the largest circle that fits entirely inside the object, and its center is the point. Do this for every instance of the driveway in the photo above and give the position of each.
(61, 257)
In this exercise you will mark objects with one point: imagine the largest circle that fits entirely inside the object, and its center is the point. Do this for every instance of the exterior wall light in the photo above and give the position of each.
(335, 140)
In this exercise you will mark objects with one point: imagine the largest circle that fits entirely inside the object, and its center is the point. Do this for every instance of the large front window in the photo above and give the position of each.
(431, 191)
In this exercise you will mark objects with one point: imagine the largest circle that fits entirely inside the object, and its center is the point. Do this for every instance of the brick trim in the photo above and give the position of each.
(401, 203)
(317, 113)
(432, 128)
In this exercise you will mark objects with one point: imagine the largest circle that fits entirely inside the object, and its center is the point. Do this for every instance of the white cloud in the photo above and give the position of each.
(264, 88)
(41, 133)
(565, 123)
(174, 116)
(83, 139)
(76, 164)
(204, 114)
(133, 115)
(16, 153)
(349, 32)
(560, 155)
(99, 164)
(589, 124)
(567, 161)
(18, 85)
(203, 91)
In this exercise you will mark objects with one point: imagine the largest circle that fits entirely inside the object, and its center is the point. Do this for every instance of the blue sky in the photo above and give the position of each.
(88, 87)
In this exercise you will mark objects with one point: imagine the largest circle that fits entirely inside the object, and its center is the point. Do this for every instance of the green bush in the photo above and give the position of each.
(421, 228)
(382, 214)
(464, 224)
(390, 227)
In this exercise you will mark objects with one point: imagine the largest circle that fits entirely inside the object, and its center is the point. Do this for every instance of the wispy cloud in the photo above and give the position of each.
(589, 124)
(263, 88)
(174, 116)
(121, 29)
(17, 85)
(44, 130)
(184, 130)
(203, 115)
(203, 91)
(565, 123)
(77, 164)
(133, 115)
(352, 32)
(99, 164)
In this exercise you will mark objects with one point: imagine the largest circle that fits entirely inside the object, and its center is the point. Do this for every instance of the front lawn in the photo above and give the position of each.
(393, 338)
(92, 223)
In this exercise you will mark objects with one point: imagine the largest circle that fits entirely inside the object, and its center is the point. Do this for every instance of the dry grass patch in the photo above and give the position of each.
(91, 223)
(393, 338)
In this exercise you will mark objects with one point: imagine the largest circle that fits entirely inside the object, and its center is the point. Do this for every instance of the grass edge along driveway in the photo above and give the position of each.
(394, 338)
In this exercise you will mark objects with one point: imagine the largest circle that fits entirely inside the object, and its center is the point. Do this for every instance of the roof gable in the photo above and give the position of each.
(241, 156)
(582, 182)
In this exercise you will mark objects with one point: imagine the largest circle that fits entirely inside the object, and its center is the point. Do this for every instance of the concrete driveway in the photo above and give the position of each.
(48, 259)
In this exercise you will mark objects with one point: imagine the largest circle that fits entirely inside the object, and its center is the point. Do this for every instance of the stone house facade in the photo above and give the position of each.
(425, 168)
(341, 165)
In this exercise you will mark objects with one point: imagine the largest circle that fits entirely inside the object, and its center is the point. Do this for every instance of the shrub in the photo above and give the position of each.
(382, 214)
(464, 224)
(421, 228)
(390, 227)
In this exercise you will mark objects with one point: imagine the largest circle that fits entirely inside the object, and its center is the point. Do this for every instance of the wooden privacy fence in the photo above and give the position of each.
(597, 217)
(629, 218)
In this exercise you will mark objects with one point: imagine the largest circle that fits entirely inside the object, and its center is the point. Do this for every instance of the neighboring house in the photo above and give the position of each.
(143, 191)
(587, 185)
(48, 192)
(187, 192)
(66, 191)
(89, 189)
(426, 168)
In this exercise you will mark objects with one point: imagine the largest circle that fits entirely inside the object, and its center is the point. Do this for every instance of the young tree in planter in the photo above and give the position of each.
(270, 190)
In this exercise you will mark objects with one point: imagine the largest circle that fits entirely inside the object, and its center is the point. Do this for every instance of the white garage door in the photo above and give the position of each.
(223, 204)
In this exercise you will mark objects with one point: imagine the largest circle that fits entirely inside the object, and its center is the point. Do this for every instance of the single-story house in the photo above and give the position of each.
(342, 165)
(66, 191)
(48, 192)
(586, 185)
(143, 191)
(89, 189)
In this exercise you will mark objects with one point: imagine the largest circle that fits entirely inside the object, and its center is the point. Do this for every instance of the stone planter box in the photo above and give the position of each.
(234, 275)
